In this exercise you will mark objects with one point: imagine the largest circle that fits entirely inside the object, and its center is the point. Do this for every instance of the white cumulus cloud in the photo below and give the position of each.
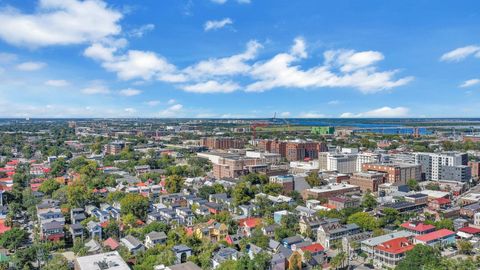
(172, 111)
(357, 71)
(469, 83)
(214, 25)
(232, 65)
(57, 83)
(153, 102)
(212, 87)
(460, 53)
(59, 22)
(129, 92)
(387, 112)
(30, 66)
(311, 115)
(96, 89)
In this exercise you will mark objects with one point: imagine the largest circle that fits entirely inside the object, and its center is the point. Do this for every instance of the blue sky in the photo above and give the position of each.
(239, 58)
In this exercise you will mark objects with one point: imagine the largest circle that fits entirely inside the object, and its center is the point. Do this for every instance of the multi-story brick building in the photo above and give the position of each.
(236, 166)
(113, 148)
(343, 202)
(395, 172)
(367, 181)
(293, 150)
(222, 143)
(475, 167)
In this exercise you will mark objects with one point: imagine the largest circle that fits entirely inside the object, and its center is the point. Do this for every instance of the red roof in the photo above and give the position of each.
(111, 243)
(420, 227)
(434, 235)
(35, 186)
(13, 162)
(229, 239)
(396, 246)
(3, 227)
(104, 224)
(470, 230)
(251, 222)
(313, 248)
(442, 200)
(189, 231)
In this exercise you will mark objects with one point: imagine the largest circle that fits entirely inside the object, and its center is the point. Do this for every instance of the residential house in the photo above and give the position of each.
(77, 215)
(468, 232)
(247, 225)
(224, 254)
(418, 228)
(186, 216)
(342, 202)
(111, 244)
(290, 241)
(311, 224)
(334, 231)
(440, 203)
(390, 253)
(317, 252)
(94, 229)
(368, 245)
(182, 253)
(76, 230)
(132, 244)
(470, 210)
(442, 237)
(211, 230)
(155, 238)
(52, 230)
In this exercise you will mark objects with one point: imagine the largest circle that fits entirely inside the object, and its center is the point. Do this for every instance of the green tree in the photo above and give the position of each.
(90, 169)
(339, 260)
(78, 195)
(174, 183)
(272, 189)
(242, 193)
(49, 186)
(58, 262)
(313, 179)
(445, 223)
(369, 201)
(413, 185)
(464, 246)
(58, 167)
(256, 178)
(364, 220)
(135, 204)
(420, 257)
(13, 238)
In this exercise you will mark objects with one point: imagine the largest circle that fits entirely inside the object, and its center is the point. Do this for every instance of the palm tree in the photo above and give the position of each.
(339, 260)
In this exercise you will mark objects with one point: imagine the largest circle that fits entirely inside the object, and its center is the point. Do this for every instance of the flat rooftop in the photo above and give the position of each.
(103, 261)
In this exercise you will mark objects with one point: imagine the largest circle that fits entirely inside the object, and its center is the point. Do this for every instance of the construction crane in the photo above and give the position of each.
(254, 128)
(275, 119)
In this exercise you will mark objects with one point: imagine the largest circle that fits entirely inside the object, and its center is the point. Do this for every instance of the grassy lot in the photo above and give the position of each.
(284, 128)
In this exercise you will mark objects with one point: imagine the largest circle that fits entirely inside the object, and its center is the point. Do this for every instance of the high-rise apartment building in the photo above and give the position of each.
(363, 158)
(432, 163)
(293, 150)
(342, 163)
(222, 143)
